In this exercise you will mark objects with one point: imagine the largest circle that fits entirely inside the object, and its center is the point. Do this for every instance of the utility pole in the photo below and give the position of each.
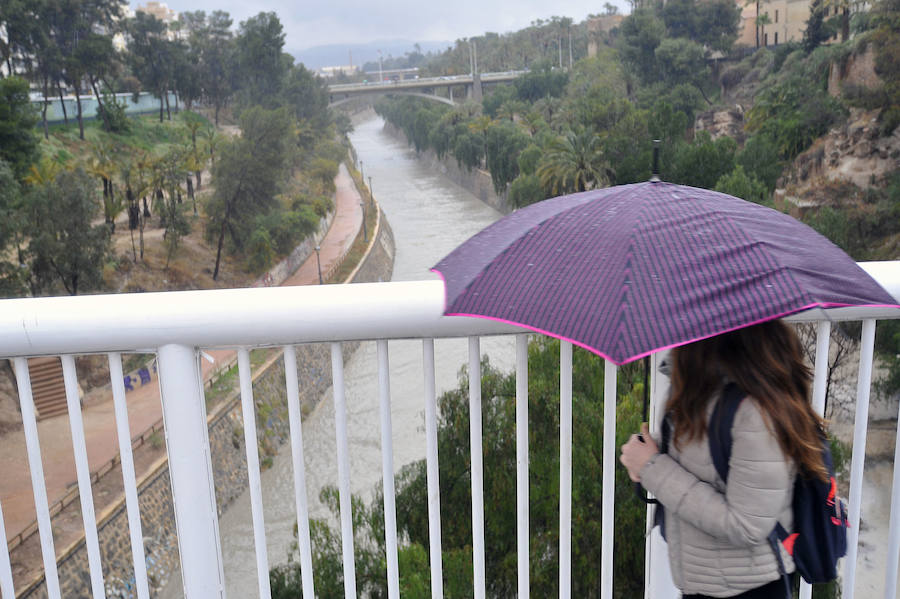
(570, 48)
(559, 46)
(380, 68)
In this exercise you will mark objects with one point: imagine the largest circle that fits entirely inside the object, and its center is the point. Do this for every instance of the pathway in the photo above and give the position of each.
(144, 409)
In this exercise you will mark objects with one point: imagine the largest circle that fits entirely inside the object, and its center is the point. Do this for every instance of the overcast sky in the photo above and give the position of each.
(310, 23)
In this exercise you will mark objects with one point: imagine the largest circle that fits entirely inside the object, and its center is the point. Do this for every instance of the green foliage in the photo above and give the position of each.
(492, 102)
(12, 281)
(741, 185)
(714, 24)
(886, 39)
(573, 162)
(541, 82)
(260, 64)
(113, 115)
(528, 159)
(246, 176)
(499, 443)
(287, 229)
(260, 254)
(18, 141)
(793, 112)
(526, 189)
(65, 247)
(504, 142)
(640, 34)
(702, 163)
(759, 159)
(681, 60)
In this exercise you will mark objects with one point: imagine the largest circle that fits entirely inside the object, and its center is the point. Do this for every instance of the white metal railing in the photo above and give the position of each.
(184, 322)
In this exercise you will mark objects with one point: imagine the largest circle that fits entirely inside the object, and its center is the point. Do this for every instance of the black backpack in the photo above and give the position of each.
(820, 516)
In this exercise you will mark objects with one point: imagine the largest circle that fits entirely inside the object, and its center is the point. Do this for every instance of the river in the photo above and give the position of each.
(429, 216)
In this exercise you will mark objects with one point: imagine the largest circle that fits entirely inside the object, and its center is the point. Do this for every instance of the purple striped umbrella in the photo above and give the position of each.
(629, 270)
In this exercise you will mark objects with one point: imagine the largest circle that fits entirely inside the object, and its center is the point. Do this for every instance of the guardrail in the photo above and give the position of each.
(333, 314)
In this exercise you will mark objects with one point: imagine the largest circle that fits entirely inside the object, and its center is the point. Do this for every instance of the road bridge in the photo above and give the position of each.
(423, 86)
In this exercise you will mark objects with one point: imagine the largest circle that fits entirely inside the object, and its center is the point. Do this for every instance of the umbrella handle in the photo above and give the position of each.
(638, 489)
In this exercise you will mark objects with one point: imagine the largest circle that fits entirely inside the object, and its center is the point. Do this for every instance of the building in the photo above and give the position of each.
(332, 72)
(160, 10)
(783, 20)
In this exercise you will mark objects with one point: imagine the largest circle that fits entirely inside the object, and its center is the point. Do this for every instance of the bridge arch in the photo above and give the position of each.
(393, 92)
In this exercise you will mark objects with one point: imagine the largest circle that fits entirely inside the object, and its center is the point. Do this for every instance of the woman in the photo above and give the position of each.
(717, 533)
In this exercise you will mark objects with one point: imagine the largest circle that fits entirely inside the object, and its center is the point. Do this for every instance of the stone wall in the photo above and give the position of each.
(228, 456)
(476, 181)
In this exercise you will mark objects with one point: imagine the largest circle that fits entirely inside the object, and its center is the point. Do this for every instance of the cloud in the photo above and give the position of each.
(314, 23)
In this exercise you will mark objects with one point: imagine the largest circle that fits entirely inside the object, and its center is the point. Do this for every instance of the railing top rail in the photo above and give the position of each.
(142, 322)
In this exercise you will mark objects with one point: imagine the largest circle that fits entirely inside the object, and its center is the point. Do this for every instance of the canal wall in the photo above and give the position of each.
(476, 181)
(227, 452)
(142, 103)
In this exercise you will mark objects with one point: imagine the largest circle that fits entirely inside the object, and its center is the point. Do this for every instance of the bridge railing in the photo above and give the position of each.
(176, 326)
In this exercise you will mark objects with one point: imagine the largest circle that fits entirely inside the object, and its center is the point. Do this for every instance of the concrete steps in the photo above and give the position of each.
(47, 387)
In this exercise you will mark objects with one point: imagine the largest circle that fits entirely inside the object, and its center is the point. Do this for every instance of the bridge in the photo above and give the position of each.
(423, 86)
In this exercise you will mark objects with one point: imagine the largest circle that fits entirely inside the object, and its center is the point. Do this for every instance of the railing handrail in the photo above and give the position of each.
(273, 316)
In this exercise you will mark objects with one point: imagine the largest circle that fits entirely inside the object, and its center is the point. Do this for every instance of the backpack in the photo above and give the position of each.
(820, 516)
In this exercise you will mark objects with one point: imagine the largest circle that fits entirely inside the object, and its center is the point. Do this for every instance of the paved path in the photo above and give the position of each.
(144, 409)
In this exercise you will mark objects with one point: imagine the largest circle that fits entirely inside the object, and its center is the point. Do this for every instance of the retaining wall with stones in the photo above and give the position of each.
(228, 457)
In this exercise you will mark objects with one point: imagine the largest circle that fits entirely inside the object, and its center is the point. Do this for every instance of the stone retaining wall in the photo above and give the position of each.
(228, 456)
(476, 181)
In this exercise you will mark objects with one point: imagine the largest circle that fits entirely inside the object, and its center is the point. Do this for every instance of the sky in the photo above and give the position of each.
(309, 23)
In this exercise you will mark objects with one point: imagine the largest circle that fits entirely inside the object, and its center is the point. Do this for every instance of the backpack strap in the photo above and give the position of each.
(720, 424)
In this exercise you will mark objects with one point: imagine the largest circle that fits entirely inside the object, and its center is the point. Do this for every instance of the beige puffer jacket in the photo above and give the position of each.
(717, 536)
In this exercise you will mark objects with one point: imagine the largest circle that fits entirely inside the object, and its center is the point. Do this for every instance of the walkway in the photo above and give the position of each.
(144, 408)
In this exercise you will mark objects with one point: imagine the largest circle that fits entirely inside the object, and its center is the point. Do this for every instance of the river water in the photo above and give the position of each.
(429, 216)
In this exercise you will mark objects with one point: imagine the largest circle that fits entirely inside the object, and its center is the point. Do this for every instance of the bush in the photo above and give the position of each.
(741, 185)
(260, 254)
(113, 115)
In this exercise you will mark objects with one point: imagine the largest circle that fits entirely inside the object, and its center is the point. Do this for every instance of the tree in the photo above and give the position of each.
(703, 162)
(65, 246)
(682, 61)
(12, 220)
(504, 142)
(261, 66)
(816, 30)
(18, 142)
(641, 32)
(150, 55)
(246, 176)
(741, 185)
(572, 163)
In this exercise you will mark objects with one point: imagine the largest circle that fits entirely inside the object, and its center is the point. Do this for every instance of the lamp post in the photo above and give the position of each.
(362, 205)
(361, 175)
(371, 193)
(319, 264)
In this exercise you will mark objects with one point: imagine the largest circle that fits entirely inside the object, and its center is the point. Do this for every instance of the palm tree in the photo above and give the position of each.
(102, 165)
(572, 163)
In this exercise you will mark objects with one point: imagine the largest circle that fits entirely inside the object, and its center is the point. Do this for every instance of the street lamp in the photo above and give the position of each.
(362, 205)
(361, 175)
(319, 264)
(371, 193)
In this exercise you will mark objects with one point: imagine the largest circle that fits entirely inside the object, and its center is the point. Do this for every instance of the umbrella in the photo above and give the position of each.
(625, 271)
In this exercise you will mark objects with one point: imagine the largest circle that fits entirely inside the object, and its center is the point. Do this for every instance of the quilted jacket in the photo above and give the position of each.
(717, 534)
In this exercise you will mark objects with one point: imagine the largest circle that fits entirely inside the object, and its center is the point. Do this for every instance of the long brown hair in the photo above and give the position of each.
(766, 362)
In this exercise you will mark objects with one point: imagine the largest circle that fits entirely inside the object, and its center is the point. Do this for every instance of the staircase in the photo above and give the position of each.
(47, 387)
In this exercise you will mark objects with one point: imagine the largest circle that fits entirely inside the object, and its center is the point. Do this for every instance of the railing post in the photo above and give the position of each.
(190, 469)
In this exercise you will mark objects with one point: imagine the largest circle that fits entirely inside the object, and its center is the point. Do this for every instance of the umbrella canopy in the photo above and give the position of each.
(629, 270)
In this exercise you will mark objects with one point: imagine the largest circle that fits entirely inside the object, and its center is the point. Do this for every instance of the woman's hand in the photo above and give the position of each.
(636, 453)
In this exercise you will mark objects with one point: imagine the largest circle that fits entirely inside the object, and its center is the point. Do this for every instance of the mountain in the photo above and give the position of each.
(340, 54)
